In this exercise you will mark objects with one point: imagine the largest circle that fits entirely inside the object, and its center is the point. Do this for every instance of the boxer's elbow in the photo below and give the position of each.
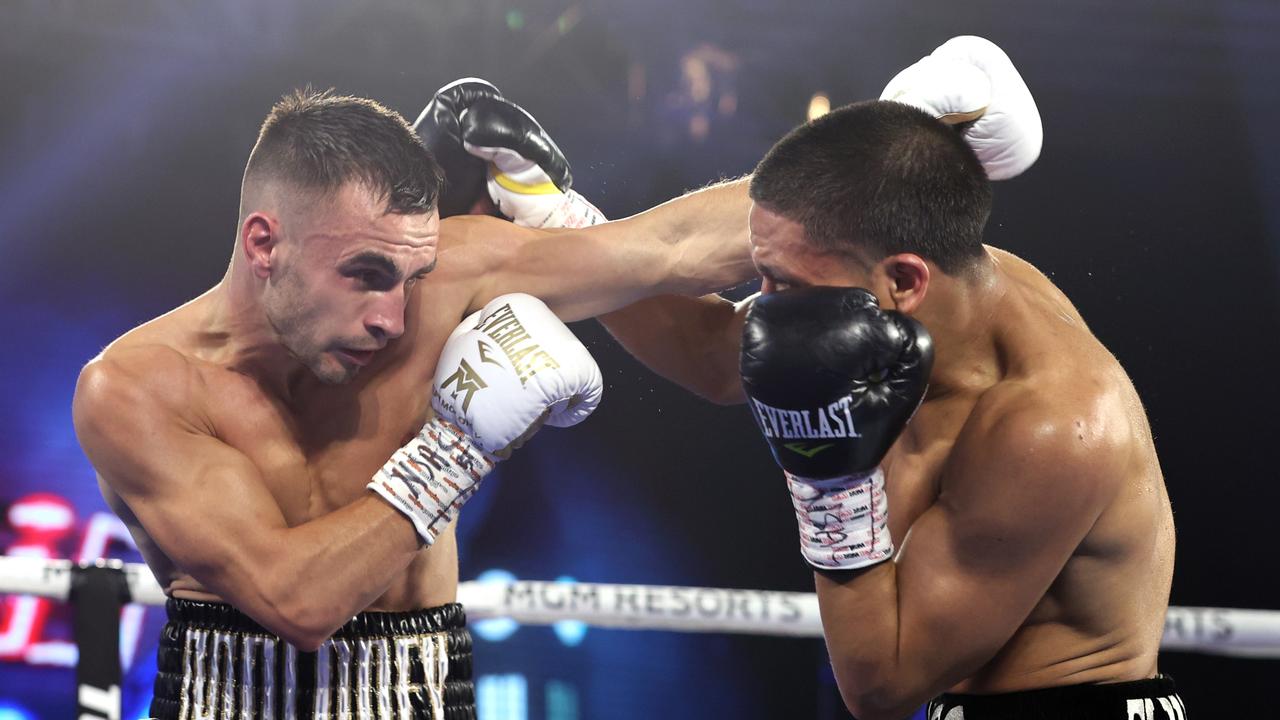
(874, 695)
(304, 623)
(305, 617)
(724, 390)
(872, 708)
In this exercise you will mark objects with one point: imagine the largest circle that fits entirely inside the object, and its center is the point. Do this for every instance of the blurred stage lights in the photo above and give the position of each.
(819, 105)
(15, 712)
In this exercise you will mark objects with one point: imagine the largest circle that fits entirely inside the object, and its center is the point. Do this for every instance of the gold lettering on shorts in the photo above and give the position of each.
(290, 691)
(320, 708)
(403, 688)
(224, 675)
(435, 663)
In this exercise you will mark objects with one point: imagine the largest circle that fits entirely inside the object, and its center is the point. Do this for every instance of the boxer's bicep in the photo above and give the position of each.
(202, 502)
(1017, 499)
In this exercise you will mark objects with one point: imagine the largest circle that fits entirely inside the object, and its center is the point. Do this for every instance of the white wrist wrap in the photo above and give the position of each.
(844, 521)
(531, 202)
(432, 476)
(574, 211)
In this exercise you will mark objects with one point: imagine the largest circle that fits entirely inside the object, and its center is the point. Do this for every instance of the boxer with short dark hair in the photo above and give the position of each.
(972, 472)
(290, 448)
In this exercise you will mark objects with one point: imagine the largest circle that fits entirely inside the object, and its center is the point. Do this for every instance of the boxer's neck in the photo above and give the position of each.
(961, 314)
(246, 341)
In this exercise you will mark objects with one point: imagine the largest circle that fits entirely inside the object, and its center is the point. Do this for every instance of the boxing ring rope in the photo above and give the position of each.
(98, 592)
(1216, 631)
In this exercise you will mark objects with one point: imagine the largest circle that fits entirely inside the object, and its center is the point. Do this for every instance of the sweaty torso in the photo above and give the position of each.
(1102, 618)
(317, 449)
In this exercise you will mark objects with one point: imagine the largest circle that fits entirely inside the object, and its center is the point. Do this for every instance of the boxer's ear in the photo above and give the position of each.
(259, 235)
(903, 280)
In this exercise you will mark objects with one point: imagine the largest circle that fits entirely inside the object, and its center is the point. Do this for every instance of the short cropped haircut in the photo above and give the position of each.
(319, 141)
(877, 178)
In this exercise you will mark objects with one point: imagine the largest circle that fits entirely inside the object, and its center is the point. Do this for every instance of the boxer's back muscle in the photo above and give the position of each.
(1102, 618)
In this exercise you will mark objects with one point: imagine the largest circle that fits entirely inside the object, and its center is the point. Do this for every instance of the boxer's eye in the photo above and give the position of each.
(372, 279)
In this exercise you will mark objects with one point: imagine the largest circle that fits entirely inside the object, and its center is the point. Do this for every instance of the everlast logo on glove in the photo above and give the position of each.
(526, 356)
(815, 358)
(833, 421)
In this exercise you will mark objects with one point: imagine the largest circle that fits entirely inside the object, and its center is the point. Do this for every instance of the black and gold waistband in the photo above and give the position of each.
(216, 662)
(1152, 699)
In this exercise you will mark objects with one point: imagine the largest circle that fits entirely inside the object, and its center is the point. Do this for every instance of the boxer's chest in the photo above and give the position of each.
(318, 455)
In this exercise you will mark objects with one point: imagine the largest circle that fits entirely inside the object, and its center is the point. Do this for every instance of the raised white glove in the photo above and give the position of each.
(970, 79)
(503, 372)
(508, 368)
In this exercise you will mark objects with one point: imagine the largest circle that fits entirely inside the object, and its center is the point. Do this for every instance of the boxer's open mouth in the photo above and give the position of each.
(357, 357)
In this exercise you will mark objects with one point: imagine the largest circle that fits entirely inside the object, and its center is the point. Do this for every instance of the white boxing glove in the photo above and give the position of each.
(971, 79)
(504, 372)
(508, 368)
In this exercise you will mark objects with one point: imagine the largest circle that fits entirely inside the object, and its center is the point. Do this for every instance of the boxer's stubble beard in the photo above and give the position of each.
(295, 322)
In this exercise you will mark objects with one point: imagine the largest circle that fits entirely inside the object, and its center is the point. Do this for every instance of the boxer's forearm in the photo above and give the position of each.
(327, 570)
(861, 625)
(706, 237)
(693, 245)
(693, 342)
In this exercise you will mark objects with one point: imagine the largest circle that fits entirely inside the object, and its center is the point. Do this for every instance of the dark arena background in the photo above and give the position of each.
(1155, 206)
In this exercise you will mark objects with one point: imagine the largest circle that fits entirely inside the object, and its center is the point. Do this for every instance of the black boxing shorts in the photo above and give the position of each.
(216, 662)
(1154, 699)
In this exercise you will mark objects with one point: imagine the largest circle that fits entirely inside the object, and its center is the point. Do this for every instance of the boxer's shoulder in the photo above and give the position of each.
(139, 378)
(1026, 428)
(472, 249)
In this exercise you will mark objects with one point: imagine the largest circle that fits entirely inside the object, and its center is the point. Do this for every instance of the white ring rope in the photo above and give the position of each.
(1217, 631)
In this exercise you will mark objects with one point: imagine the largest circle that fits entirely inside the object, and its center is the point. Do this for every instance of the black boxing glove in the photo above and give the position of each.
(832, 379)
(440, 128)
(529, 177)
(486, 143)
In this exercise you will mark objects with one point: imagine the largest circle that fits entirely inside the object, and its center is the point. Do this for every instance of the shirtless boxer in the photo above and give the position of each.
(244, 437)
(1009, 551)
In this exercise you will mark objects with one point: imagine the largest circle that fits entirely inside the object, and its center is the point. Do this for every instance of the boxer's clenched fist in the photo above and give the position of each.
(440, 128)
(970, 80)
(486, 143)
(504, 372)
(510, 366)
(832, 380)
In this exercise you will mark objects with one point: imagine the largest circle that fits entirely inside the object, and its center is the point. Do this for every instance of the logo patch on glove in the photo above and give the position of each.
(527, 357)
(465, 380)
(833, 421)
(484, 349)
(807, 451)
